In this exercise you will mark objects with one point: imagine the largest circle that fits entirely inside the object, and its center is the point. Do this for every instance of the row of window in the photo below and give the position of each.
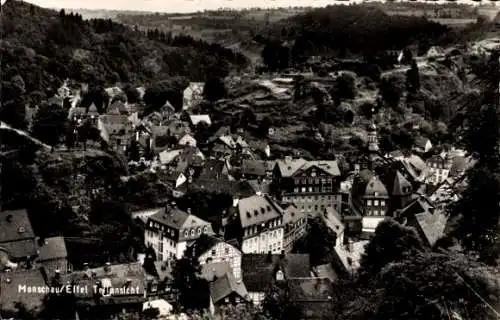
(255, 229)
(214, 252)
(375, 203)
(198, 231)
(309, 198)
(312, 181)
(375, 212)
(325, 188)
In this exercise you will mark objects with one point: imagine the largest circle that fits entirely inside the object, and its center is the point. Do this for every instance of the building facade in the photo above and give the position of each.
(169, 231)
(311, 185)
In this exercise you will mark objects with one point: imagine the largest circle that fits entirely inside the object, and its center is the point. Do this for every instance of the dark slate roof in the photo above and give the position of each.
(256, 209)
(258, 270)
(257, 167)
(432, 226)
(310, 289)
(213, 169)
(234, 188)
(224, 286)
(10, 293)
(52, 248)
(215, 270)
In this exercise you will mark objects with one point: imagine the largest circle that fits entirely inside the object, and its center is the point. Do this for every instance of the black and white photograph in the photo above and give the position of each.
(249, 160)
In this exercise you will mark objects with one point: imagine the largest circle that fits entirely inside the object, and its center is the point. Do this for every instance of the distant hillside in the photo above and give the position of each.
(44, 47)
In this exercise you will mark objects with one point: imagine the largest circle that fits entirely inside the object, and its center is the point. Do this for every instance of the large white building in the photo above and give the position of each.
(170, 229)
(260, 224)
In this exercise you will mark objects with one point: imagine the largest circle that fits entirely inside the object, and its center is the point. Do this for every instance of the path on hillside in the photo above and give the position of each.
(6, 127)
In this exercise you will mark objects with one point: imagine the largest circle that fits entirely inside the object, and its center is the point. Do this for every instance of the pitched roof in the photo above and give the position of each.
(15, 225)
(215, 270)
(421, 141)
(255, 210)
(195, 119)
(291, 214)
(329, 166)
(10, 294)
(258, 270)
(288, 167)
(333, 220)
(257, 167)
(224, 286)
(52, 248)
(375, 186)
(167, 157)
(234, 188)
(187, 139)
(432, 225)
(213, 169)
(263, 186)
(326, 271)
(178, 220)
(310, 289)
(370, 223)
(163, 270)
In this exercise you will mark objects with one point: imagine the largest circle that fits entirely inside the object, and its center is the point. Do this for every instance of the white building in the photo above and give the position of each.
(260, 221)
(169, 230)
(211, 249)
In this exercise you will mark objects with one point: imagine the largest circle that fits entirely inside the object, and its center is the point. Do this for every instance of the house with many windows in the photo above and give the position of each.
(169, 231)
(257, 223)
(295, 224)
(311, 185)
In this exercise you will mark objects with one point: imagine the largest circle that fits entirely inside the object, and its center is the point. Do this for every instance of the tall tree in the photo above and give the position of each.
(192, 290)
(50, 124)
(479, 207)
(214, 89)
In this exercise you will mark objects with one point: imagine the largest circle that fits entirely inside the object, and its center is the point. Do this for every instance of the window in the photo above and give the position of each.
(192, 232)
(186, 233)
(213, 252)
(368, 202)
(375, 202)
(375, 213)
(382, 203)
(226, 250)
(375, 194)
(205, 229)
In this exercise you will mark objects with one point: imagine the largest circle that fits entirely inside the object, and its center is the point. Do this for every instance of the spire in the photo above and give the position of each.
(372, 135)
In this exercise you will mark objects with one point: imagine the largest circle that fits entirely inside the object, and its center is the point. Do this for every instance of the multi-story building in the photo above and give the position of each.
(170, 230)
(257, 222)
(210, 249)
(311, 185)
(294, 223)
(439, 169)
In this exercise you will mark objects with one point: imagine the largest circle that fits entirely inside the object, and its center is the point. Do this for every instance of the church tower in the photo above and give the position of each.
(373, 145)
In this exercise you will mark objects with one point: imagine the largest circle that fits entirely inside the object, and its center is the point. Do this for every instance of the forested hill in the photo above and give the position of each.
(45, 46)
(354, 28)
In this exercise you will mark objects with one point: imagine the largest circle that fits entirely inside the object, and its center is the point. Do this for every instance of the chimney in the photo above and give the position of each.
(188, 210)
(107, 267)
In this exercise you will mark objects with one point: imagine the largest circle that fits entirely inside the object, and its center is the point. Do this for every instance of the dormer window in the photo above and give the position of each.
(192, 233)
(262, 210)
(205, 229)
(186, 233)
(280, 276)
(21, 230)
(256, 213)
(249, 215)
(198, 231)
(269, 208)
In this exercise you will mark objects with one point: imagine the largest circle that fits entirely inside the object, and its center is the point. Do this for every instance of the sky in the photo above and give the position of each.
(181, 6)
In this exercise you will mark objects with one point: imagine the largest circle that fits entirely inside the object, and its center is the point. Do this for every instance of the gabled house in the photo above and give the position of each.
(52, 255)
(422, 145)
(369, 195)
(192, 95)
(118, 129)
(169, 231)
(227, 290)
(187, 140)
(333, 221)
(17, 236)
(300, 181)
(399, 188)
(312, 296)
(210, 249)
(214, 170)
(260, 271)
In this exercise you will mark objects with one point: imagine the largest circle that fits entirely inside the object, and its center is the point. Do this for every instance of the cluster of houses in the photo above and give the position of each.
(250, 245)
